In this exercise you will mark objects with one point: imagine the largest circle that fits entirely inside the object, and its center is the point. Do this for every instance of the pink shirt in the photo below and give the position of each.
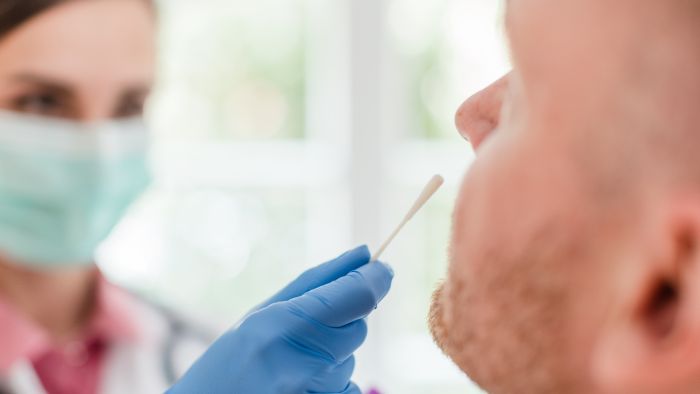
(76, 367)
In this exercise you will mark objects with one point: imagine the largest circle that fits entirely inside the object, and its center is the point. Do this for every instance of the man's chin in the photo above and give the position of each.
(439, 323)
(436, 319)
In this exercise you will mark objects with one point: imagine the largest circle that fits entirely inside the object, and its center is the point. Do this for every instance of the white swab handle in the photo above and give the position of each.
(428, 191)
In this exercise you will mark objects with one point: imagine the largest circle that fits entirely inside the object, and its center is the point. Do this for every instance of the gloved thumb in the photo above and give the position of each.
(321, 275)
(349, 298)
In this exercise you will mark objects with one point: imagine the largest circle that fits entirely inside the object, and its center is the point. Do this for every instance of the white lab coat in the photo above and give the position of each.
(133, 368)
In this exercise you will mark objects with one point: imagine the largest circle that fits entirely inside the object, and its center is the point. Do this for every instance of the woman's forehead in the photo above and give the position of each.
(77, 41)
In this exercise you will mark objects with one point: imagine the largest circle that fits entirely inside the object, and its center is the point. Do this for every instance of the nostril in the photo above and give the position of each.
(662, 308)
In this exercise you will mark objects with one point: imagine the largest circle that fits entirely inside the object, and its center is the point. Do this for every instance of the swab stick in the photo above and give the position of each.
(427, 193)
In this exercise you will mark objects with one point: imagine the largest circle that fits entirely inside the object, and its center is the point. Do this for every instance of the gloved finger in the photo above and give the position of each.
(349, 298)
(333, 380)
(330, 345)
(321, 275)
(351, 389)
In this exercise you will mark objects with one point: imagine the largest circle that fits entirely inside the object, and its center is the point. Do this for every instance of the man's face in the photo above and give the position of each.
(533, 221)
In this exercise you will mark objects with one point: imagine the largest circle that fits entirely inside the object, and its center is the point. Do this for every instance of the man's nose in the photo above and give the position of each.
(479, 115)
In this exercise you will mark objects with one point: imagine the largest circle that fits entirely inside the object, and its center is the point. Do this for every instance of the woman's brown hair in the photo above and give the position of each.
(14, 13)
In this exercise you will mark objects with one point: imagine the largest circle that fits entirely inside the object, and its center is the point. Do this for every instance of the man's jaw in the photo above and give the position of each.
(436, 319)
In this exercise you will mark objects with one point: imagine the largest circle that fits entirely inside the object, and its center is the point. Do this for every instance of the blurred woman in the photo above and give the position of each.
(74, 77)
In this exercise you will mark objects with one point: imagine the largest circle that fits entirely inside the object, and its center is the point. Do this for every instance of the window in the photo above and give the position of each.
(287, 131)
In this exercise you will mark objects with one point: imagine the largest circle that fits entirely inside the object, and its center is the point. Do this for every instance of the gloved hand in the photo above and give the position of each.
(300, 341)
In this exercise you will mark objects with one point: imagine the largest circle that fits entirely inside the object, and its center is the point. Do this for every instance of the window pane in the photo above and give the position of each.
(446, 50)
(232, 69)
(271, 82)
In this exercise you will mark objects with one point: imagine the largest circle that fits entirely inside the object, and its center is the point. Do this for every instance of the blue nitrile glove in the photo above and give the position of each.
(300, 341)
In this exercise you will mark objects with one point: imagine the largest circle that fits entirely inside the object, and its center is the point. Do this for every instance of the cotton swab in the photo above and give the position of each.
(430, 189)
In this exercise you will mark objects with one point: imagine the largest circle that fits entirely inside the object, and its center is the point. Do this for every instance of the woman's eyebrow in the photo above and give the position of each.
(45, 82)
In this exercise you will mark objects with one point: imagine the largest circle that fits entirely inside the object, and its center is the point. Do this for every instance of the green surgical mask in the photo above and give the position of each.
(64, 186)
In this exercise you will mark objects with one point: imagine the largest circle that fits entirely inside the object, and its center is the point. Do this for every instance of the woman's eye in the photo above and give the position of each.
(130, 108)
(45, 104)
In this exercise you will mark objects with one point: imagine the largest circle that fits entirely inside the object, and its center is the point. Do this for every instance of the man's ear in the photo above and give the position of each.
(650, 341)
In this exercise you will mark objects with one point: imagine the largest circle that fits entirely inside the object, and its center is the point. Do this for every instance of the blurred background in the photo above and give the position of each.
(288, 131)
